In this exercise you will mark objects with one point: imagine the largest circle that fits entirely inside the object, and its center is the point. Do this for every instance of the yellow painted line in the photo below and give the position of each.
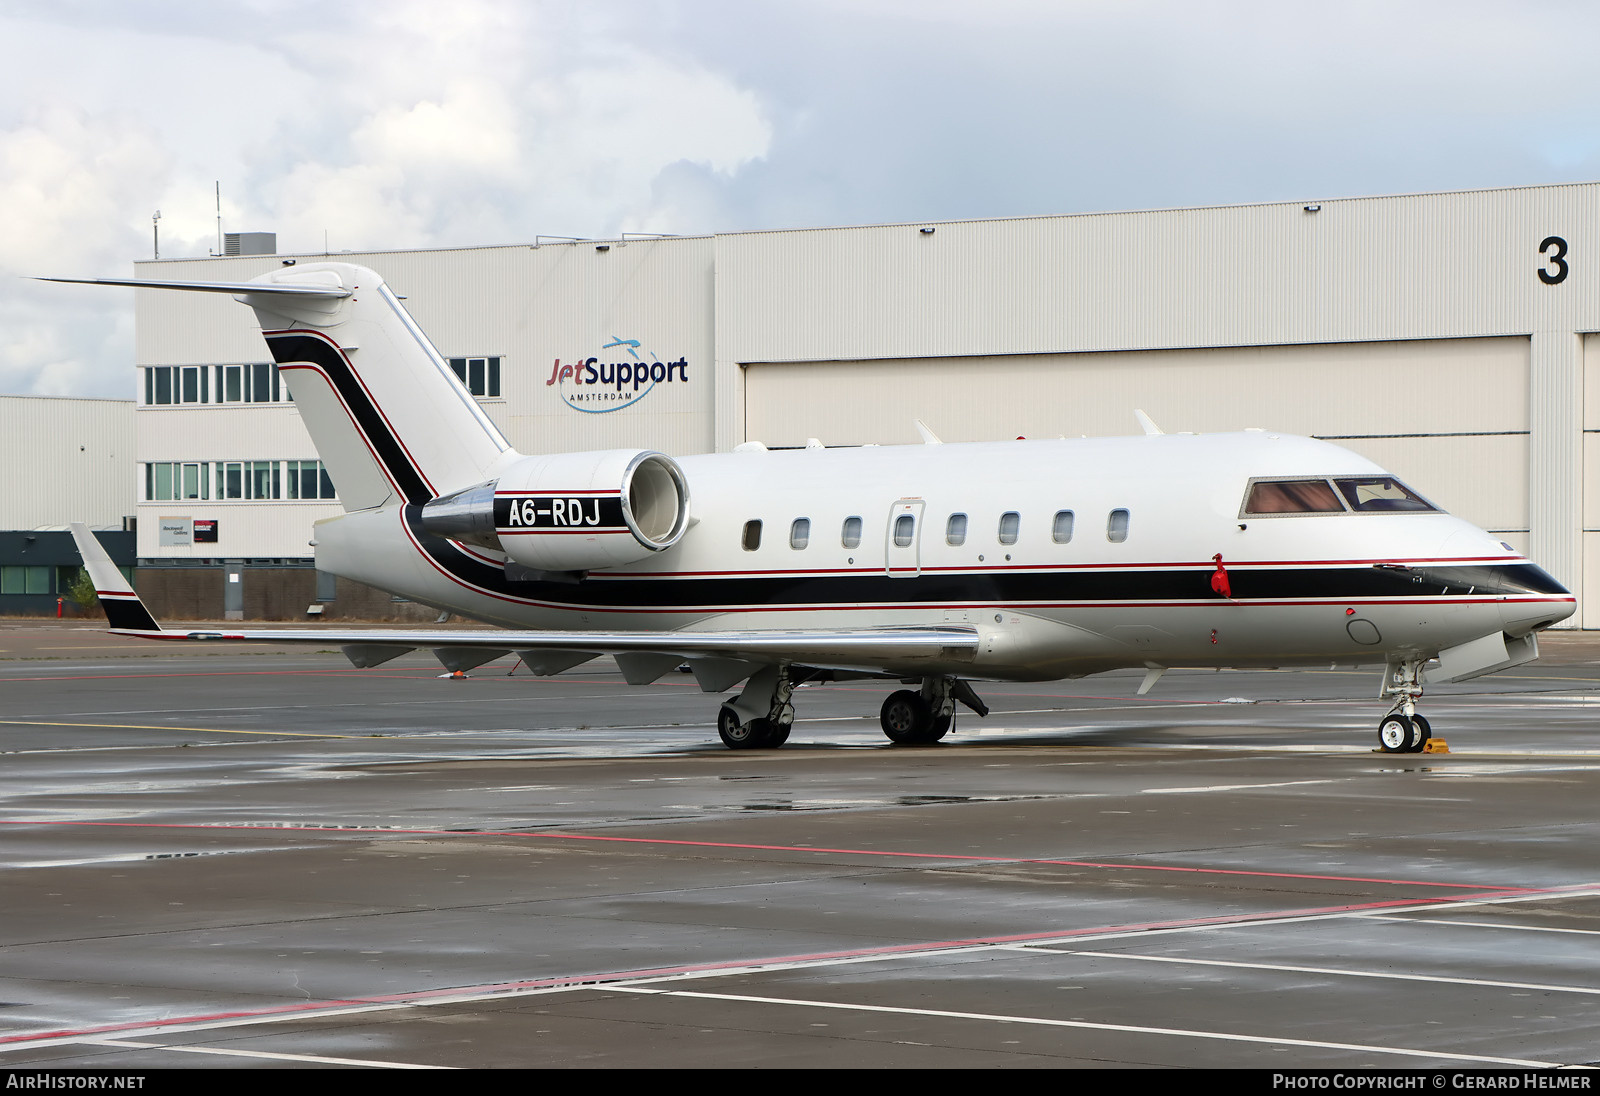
(158, 727)
(107, 647)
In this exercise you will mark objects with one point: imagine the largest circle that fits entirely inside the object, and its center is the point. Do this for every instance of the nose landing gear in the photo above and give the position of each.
(1403, 730)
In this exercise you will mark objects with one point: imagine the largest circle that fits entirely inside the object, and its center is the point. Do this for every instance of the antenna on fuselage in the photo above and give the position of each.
(928, 436)
(1149, 424)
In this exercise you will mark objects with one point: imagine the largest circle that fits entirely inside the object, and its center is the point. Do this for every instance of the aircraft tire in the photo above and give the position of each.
(1395, 733)
(778, 736)
(906, 719)
(939, 726)
(1421, 732)
(742, 736)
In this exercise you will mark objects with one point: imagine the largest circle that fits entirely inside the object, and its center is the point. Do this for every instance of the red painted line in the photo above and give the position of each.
(602, 979)
(1205, 565)
(679, 843)
(394, 672)
(588, 492)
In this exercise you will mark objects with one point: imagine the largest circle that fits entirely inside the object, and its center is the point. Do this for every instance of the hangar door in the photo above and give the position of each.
(1450, 416)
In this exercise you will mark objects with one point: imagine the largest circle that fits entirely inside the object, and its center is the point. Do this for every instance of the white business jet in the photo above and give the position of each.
(937, 565)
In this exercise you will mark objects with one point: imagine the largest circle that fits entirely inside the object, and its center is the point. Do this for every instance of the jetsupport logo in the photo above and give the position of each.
(596, 387)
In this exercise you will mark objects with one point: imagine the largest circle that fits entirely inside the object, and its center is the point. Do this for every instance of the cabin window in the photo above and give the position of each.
(1292, 497)
(752, 536)
(1061, 528)
(1378, 494)
(1010, 522)
(904, 526)
(955, 530)
(800, 533)
(1117, 526)
(850, 535)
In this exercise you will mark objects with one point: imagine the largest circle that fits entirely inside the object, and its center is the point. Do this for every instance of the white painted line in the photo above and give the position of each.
(1476, 924)
(1548, 988)
(315, 1058)
(1241, 787)
(1132, 1029)
(638, 985)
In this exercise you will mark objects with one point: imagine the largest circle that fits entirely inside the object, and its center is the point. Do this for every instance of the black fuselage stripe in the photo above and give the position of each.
(289, 348)
(878, 590)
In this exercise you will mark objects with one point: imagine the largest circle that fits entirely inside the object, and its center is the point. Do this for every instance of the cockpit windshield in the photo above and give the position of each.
(1361, 494)
(1292, 497)
(1380, 493)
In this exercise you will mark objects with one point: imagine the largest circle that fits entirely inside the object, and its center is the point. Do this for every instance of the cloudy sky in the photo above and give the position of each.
(415, 123)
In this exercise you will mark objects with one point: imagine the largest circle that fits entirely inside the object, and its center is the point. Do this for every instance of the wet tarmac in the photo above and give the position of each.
(244, 857)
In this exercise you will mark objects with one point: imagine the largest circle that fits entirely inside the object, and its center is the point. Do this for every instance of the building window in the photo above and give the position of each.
(308, 479)
(254, 480)
(174, 384)
(256, 382)
(480, 375)
(164, 481)
(24, 580)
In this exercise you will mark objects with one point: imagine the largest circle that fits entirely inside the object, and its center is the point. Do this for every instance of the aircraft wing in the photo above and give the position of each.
(718, 658)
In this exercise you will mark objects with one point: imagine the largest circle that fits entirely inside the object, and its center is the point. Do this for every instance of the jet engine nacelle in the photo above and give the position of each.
(571, 511)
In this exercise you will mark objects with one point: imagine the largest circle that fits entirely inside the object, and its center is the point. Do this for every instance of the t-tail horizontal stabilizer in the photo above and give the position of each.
(124, 611)
(237, 289)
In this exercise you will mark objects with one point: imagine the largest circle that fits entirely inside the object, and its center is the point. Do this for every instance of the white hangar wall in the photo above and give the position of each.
(1416, 330)
(70, 460)
(1450, 337)
(1469, 457)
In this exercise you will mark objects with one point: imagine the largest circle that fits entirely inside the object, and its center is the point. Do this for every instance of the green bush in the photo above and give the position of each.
(82, 591)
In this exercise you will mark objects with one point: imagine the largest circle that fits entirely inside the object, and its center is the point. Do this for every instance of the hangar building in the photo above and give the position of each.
(1453, 338)
(70, 461)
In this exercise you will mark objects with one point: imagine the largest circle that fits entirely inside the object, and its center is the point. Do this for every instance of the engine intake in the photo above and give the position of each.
(571, 511)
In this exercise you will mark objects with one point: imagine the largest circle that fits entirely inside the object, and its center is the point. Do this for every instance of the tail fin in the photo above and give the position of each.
(388, 417)
(124, 611)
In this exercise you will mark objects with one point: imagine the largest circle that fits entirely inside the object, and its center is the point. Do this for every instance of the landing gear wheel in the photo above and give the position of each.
(779, 735)
(906, 719)
(1396, 733)
(1421, 733)
(743, 736)
(939, 727)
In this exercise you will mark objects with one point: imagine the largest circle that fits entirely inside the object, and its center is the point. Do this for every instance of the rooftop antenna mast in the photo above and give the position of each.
(155, 228)
(219, 216)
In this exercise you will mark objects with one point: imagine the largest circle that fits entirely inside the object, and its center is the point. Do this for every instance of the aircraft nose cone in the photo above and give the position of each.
(1542, 601)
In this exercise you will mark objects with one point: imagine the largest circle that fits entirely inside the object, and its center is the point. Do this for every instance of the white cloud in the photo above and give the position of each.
(414, 123)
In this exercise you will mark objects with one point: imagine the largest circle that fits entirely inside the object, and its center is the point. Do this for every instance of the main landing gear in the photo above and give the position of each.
(1403, 730)
(924, 717)
(763, 713)
(761, 716)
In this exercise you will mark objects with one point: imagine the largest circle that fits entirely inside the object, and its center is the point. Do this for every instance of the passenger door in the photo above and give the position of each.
(902, 555)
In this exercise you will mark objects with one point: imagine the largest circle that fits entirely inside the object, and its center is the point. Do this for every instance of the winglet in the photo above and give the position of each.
(928, 436)
(124, 611)
(1149, 424)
